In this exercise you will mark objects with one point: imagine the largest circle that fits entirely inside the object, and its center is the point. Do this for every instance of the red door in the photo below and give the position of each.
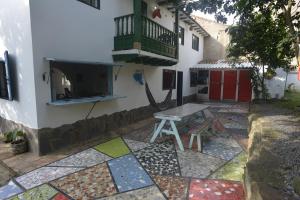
(229, 88)
(245, 90)
(215, 85)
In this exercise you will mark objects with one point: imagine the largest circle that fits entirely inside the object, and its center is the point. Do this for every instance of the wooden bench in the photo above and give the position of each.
(197, 131)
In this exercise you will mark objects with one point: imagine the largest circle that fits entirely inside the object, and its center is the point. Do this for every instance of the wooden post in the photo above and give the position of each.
(176, 32)
(137, 6)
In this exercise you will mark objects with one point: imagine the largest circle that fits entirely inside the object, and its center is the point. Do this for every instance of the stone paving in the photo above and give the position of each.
(128, 167)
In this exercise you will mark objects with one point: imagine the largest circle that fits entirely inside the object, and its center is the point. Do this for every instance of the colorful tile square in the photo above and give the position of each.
(233, 170)
(39, 193)
(198, 165)
(172, 187)
(91, 183)
(136, 145)
(149, 193)
(113, 148)
(128, 173)
(43, 175)
(83, 159)
(159, 159)
(221, 149)
(60, 196)
(216, 190)
(9, 190)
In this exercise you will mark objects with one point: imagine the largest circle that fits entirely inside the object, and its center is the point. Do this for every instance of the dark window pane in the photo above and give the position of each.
(181, 35)
(144, 8)
(3, 83)
(195, 42)
(169, 79)
(203, 77)
(193, 78)
(93, 3)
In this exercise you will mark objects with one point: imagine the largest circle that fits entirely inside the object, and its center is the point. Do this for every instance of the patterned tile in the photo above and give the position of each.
(9, 190)
(216, 190)
(173, 187)
(44, 175)
(144, 134)
(85, 158)
(114, 148)
(94, 182)
(234, 110)
(136, 145)
(128, 173)
(233, 170)
(159, 159)
(60, 196)
(221, 148)
(198, 165)
(39, 193)
(234, 125)
(149, 193)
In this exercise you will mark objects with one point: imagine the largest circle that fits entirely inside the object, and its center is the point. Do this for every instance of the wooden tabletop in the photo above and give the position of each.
(181, 111)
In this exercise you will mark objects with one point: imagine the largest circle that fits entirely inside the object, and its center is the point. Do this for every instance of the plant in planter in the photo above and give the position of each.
(18, 141)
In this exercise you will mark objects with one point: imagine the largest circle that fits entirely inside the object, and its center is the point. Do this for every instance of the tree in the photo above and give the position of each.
(263, 41)
(286, 11)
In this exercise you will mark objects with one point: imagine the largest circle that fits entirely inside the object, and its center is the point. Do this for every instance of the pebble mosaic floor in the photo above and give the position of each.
(129, 167)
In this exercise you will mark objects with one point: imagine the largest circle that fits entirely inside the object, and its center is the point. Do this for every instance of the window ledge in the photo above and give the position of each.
(84, 100)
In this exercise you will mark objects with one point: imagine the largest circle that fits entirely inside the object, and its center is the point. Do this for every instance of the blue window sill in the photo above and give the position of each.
(66, 102)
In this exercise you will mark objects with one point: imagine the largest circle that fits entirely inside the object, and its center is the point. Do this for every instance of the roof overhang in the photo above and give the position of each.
(87, 62)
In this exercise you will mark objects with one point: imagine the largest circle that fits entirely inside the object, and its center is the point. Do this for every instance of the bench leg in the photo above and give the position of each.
(155, 127)
(191, 141)
(199, 143)
(175, 132)
(158, 130)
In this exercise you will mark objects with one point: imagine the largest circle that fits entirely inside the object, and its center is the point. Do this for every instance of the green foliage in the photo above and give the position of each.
(292, 100)
(14, 136)
(259, 88)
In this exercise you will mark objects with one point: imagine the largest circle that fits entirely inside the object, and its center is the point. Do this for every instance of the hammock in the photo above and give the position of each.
(162, 106)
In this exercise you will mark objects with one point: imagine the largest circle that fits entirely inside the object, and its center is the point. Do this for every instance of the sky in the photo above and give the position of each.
(230, 18)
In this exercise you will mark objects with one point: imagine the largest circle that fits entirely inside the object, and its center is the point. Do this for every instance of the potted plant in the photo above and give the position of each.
(18, 141)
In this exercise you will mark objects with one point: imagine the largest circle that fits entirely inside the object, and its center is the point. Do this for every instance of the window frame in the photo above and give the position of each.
(3, 76)
(193, 83)
(195, 46)
(164, 87)
(98, 6)
(109, 81)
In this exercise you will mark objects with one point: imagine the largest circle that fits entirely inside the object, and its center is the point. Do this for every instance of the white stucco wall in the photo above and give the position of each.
(15, 36)
(276, 84)
(74, 31)
(293, 79)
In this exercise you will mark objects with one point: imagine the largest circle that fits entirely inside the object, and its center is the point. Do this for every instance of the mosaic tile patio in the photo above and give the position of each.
(84, 159)
(221, 149)
(149, 193)
(159, 159)
(132, 168)
(94, 182)
(198, 165)
(128, 173)
(233, 170)
(39, 193)
(172, 187)
(215, 190)
(9, 190)
(44, 175)
(113, 148)
(136, 145)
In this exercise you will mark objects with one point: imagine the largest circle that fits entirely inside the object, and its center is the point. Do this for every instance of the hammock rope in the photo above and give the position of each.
(160, 106)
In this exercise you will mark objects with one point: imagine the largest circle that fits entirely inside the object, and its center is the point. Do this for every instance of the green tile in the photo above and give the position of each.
(38, 193)
(233, 170)
(114, 148)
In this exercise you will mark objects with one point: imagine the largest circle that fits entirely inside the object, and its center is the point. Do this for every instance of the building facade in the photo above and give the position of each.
(76, 66)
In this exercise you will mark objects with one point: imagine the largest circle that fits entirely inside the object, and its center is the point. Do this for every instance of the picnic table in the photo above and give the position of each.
(175, 115)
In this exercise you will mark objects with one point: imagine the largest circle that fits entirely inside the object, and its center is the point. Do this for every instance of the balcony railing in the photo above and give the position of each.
(154, 37)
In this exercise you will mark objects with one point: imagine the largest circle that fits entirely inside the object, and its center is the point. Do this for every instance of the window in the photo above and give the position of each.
(76, 80)
(144, 9)
(195, 42)
(93, 3)
(193, 78)
(203, 77)
(169, 79)
(181, 35)
(5, 79)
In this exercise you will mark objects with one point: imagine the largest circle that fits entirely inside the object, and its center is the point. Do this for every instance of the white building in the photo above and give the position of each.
(62, 53)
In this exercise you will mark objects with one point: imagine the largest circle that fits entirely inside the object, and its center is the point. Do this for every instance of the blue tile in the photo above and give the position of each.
(9, 190)
(128, 173)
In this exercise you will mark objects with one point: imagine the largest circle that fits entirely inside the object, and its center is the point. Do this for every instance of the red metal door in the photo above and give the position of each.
(229, 88)
(245, 90)
(215, 85)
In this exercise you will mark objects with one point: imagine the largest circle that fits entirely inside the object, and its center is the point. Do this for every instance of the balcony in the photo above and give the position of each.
(149, 43)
